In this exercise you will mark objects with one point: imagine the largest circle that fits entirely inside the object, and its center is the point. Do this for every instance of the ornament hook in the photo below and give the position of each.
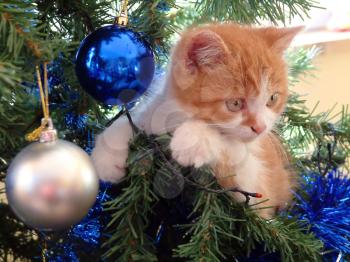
(45, 132)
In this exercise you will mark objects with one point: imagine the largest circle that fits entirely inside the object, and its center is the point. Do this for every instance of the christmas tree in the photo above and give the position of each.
(134, 220)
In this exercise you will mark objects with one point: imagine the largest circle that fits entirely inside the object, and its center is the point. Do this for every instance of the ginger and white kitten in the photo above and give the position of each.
(225, 88)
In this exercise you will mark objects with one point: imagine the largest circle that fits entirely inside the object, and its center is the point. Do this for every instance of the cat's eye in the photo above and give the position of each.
(272, 100)
(234, 105)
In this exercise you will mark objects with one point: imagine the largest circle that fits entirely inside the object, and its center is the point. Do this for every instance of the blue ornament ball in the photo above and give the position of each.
(115, 65)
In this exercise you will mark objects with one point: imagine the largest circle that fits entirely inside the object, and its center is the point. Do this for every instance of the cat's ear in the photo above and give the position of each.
(279, 39)
(206, 50)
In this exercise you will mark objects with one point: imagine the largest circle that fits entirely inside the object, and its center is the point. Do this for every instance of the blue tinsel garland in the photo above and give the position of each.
(325, 205)
(84, 237)
(76, 122)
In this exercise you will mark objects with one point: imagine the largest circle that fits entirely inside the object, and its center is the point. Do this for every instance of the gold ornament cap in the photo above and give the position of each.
(49, 134)
(122, 19)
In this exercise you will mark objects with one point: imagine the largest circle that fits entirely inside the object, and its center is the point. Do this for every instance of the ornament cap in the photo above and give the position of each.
(49, 134)
(121, 20)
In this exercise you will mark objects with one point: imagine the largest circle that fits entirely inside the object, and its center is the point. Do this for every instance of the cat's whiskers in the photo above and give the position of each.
(280, 149)
(168, 128)
(223, 125)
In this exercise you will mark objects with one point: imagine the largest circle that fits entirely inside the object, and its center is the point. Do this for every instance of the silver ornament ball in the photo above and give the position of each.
(51, 185)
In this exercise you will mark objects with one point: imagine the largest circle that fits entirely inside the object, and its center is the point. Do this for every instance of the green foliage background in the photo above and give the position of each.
(44, 30)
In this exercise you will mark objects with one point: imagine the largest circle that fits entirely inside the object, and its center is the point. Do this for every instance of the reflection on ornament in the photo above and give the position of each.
(51, 185)
(114, 65)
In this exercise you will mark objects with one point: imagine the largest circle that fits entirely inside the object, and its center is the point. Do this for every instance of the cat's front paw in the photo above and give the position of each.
(110, 166)
(111, 151)
(194, 144)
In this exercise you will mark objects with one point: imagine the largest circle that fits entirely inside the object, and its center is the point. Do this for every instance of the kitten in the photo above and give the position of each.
(225, 88)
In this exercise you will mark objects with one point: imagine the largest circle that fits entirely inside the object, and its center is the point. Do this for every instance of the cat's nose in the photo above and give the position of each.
(258, 129)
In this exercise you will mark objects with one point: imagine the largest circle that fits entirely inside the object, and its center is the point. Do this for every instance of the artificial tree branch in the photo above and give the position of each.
(175, 172)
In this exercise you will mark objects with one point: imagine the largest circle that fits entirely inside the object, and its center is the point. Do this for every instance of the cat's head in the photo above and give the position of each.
(233, 77)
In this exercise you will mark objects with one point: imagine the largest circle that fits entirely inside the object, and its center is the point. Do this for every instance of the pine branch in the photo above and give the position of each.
(300, 61)
(74, 20)
(223, 229)
(11, 230)
(154, 23)
(8, 74)
(208, 232)
(131, 209)
(26, 41)
(15, 21)
(254, 11)
(219, 229)
(303, 130)
(22, 38)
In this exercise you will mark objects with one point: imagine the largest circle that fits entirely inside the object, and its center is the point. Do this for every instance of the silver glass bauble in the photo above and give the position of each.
(51, 184)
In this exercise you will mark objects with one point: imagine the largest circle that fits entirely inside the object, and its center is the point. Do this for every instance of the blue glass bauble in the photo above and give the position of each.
(114, 65)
